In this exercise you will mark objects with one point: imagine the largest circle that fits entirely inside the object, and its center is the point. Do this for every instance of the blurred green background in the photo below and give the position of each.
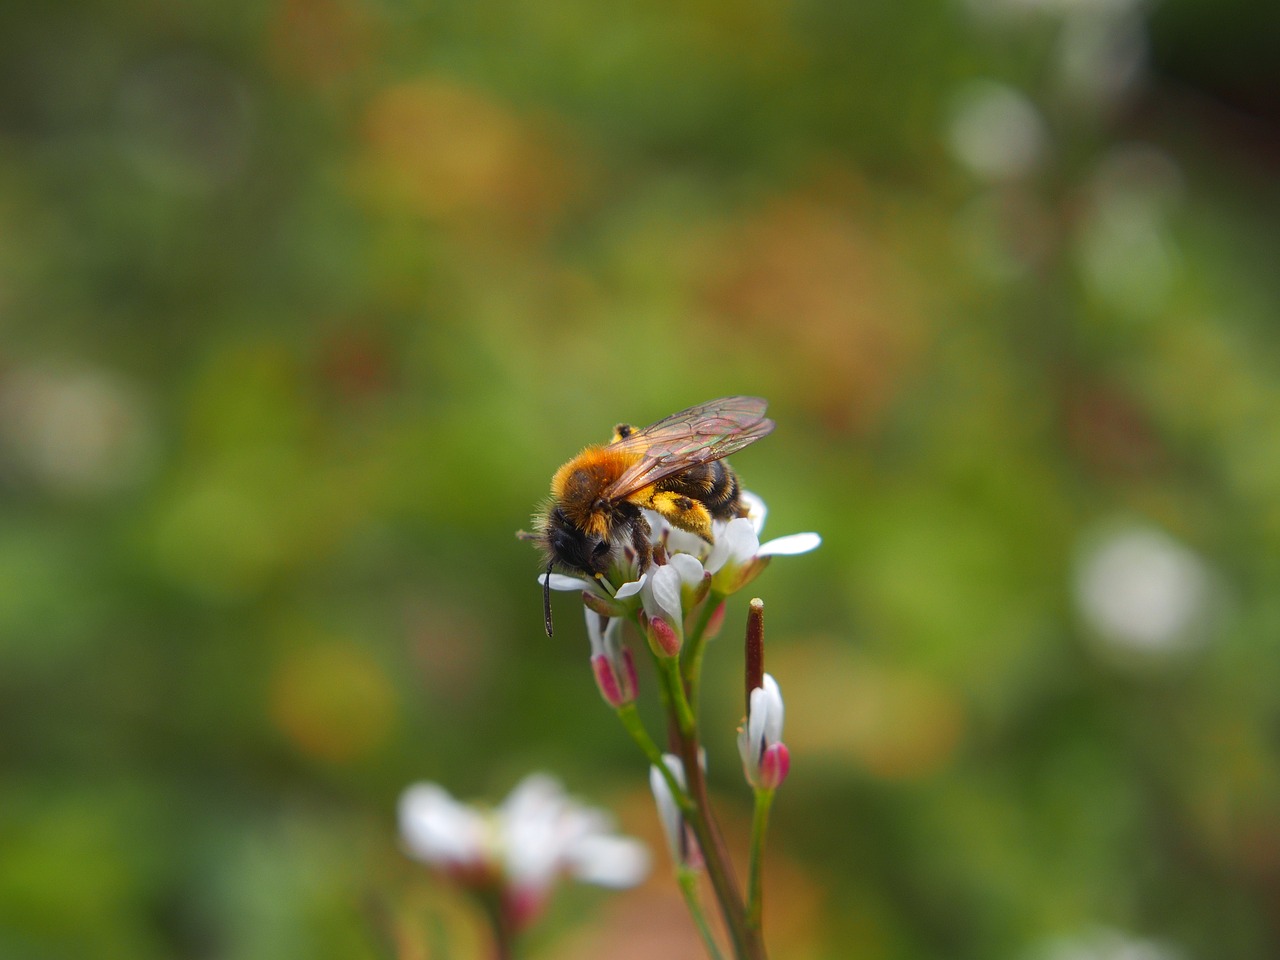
(303, 302)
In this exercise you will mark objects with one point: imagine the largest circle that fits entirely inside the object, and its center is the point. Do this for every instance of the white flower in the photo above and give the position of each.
(666, 592)
(439, 830)
(765, 759)
(679, 842)
(602, 598)
(733, 561)
(538, 833)
(611, 661)
(738, 556)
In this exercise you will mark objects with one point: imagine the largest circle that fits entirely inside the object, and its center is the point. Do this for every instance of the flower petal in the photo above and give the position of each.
(737, 543)
(668, 810)
(662, 598)
(689, 568)
(631, 587)
(609, 861)
(683, 542)
(561, 581)
(437, 829)
(774, 709)
(790, 545)
(756, 510)
(603, 637)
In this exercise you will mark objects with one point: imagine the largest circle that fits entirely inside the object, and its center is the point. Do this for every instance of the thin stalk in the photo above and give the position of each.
(630, 718)
(687, 877)
(755, 870)
(748, 944)
(695, 646)
(500, 925)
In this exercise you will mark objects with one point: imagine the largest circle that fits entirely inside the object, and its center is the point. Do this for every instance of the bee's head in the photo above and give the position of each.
(569, 547)
(573, 548)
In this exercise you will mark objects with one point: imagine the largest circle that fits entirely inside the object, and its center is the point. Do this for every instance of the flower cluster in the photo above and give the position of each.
(662, 597)
(677, 603)
(517, 851)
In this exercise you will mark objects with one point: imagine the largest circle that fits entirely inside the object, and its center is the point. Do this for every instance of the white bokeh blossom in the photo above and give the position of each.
(522, 847)
(1106, 943)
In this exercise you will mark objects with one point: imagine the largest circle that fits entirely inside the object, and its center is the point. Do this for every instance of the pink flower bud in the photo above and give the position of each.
(662, 638)
(616, 680)
(775, 764)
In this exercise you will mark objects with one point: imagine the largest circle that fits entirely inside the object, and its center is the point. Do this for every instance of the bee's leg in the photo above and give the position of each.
(685, 512)
(622, 431)
(640, 534)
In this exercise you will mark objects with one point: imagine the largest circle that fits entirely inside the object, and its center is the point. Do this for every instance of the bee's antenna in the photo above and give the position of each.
(546, 598)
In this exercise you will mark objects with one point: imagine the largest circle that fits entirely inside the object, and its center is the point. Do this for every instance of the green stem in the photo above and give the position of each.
(687, 877)
(630, 718)
(755, 871)
(695, 646)
(686, 722)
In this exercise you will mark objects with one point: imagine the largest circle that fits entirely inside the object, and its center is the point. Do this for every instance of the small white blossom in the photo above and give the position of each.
(765, 759)
(735, 559)
(674, 828)
(738, 556)
(611, 661)
(523, 846)
(667, 593)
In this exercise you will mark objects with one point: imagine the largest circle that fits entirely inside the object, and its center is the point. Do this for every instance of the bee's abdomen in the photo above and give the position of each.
(713, 484)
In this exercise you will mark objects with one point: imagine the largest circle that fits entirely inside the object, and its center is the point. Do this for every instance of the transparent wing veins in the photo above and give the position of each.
(703, 433)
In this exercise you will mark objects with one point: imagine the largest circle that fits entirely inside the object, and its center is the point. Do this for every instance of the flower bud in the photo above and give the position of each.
(616, 678)
(604, 606)
(775, 764)
(663, 639)
(765, 758)
(611, 661)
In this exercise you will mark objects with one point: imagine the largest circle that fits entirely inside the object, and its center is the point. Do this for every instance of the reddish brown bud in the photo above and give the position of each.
(754, 648)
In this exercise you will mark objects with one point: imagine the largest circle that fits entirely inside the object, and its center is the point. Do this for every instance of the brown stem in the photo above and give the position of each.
(748, 942)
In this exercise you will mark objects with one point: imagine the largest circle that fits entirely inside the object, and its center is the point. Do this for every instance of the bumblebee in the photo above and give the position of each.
(674, 467)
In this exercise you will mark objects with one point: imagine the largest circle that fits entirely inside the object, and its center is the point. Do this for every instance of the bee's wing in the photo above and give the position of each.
(709, 431)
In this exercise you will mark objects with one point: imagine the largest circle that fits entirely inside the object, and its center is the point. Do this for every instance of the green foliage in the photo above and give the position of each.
(303, 303)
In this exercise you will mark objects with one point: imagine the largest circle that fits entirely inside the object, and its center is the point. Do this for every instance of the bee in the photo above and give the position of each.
(674, 467)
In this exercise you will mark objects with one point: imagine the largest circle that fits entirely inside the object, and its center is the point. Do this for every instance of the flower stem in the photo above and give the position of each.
(630, 718)
(499, 924)
(748, 943)
(687, 877)
(695, 646)
(755, 871)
